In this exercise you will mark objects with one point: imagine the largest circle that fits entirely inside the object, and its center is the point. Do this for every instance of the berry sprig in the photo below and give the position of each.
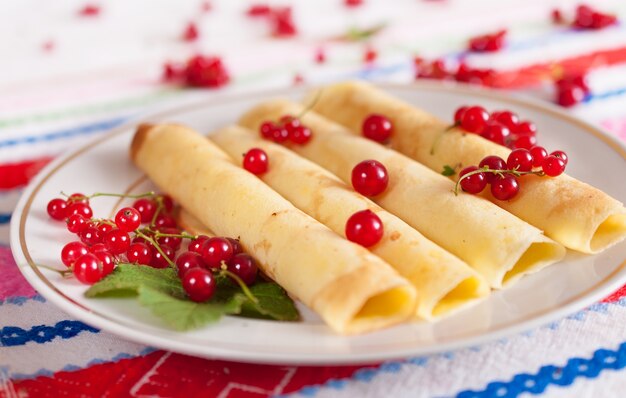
(440, 69)
(289, 127)
(488, 43)
(502, 127)
(585, 18)
(502, 175)
(199, 71)
(146, 234)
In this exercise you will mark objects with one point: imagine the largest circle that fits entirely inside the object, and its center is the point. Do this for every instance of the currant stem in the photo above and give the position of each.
(440, 135)
(64, 273)
(241, 283)
(117, 195)
(103, 221)
(182, 235)
(498, 172)
(311, 104)
(160, 206)
(156, 246)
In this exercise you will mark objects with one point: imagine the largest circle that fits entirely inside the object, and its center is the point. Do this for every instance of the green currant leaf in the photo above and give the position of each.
(448, 171)
(273, 303)
(185, 314)
(126, 280)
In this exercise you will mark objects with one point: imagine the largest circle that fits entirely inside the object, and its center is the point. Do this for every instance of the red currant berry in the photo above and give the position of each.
(474, 183)
(168, 203)
(365, 228)
(88, 269)
(525, 141)
(553, 166)
(80, 208)
(377, 128)
(560, 154)
(556, 16)
(289, 123)
(98, 247)
(107, 260)
(215, 251)
(116, 241)
(76, 223)
(520, 159)
(199, 284)
(370, 178)
(204, 71)
(146, 208)
(494, 163)
(458, 114)
(90, 235)
(496, 132)
(301, 135)
(128, 219)
(266, 130)
(72, 251)
(139, 253)
(191, 32)
(255, 161)
(576, 80)
(504, 188)
(187, 261)
(570, 95)
(280, 134)
(236, 245)
(244, 266)
(506, 118)
(538, 153)
(158, 260)
(526, 128)
(165, 220)
(57, 209)
(104, 228)
(196, 244)
(474, 119)
(77, 198)
(172, 241)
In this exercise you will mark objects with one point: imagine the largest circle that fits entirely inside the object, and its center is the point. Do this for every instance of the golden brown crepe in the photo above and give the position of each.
(577, 215)
(498, 245)
(350, 288)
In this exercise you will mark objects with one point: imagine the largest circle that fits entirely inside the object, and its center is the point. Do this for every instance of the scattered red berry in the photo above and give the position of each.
(88, 269)
(173, 72)
(369, 55)
(187, 261)
(282, 22)
(128, 219)
(364, 228)
(206, 71)
(89, 10)
(256, 161)
(215, 251)
(475, 183)
(57, 209)
(370, 178)
(468, 74)
(556, 16)
(320, 56)
(352, 3)
(553, 166)
(579, 80)
(488, 43)
(520, 159)
(298, 79)
(139, 253)
(48, 46)
(199, 284)
(377, 128)
(570, 95)
(72, 251)
(588, 18)
(504, 188)
(244, 266)
(146, 209)
(259, 10)
(191, 32)
(474, 119)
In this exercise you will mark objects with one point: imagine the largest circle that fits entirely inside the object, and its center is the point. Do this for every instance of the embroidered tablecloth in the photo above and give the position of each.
(71, 70)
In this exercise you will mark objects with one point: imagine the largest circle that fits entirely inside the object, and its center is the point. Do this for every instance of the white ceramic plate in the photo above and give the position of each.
(103, 166)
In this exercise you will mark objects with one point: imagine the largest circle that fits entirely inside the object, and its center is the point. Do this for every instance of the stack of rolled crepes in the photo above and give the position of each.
(439, 252)
(573, 213)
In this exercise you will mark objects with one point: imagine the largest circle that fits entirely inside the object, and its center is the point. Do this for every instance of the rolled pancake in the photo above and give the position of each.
(444, 283)
(577, 215)
(350, 288)
(500, 246)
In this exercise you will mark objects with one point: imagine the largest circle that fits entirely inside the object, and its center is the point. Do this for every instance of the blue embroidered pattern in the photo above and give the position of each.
(537, 383)
(14, 336)
(5, 218)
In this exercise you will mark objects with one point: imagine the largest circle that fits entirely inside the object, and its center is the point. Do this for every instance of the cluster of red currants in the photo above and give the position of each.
(586, 17)
(103, 243)
(288, 128)
(198, 71)
(439, 69)
(280, 19)
(571, 89)
(501, 127)
(487, 43)
(502, 175)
